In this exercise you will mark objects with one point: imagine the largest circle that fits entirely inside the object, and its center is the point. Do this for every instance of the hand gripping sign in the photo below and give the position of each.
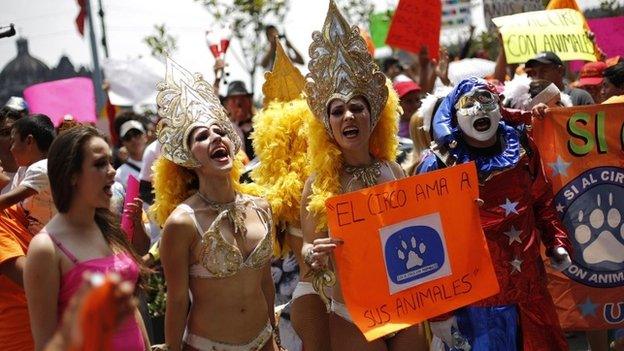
(413, 249)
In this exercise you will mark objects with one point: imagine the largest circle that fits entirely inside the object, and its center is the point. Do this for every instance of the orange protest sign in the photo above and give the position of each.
(413, 249)
(416, 23)
(582, 149)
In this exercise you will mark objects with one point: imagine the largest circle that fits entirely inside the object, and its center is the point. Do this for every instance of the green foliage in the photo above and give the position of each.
(156, 294)
(608, 8)
(357, 12)
(160, 42)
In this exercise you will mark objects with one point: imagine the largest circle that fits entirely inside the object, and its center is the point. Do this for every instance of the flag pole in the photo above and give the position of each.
(97, 73)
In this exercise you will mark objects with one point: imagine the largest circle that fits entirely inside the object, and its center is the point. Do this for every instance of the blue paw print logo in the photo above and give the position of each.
(591, 207)
(414, 252)
(600, 233)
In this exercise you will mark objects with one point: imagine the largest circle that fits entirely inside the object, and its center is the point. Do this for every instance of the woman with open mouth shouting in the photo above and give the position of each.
(217, 239)
(352, 145)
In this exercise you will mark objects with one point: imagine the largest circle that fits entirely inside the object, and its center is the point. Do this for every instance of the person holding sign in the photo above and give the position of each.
(217, 240)
(517, 213)
(352, 145)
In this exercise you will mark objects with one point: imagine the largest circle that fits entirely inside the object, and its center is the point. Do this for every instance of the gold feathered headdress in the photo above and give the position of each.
(280, 139)
(284, 83)
(186, 101)
(342, 68)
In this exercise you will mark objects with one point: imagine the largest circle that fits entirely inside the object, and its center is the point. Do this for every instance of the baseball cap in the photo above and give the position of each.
(404, 87)
(591, 73)
(546, 57)
(130, 125)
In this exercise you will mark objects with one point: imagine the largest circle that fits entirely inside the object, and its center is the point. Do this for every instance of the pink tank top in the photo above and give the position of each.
(128, 336)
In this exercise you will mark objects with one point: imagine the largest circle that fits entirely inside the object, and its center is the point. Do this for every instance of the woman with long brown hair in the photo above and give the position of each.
(83, 236)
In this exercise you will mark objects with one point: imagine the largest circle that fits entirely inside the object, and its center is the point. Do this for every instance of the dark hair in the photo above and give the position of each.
(67, 153)
(39, 126)
(269, 26)
(389, 62)
(615, 74)
(7, 113)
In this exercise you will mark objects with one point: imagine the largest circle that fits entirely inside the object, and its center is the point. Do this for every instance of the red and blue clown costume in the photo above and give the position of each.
(517, 215)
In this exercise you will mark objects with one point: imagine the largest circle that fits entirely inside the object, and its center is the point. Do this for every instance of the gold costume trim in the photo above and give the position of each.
(342, 68)
(186, 101)
(284, 83)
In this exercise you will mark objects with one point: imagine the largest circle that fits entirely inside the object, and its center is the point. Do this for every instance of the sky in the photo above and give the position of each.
(51, 32)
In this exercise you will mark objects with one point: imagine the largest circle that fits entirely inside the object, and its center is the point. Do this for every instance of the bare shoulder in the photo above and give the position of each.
(179, 224)
(396, 170)
(41, 247)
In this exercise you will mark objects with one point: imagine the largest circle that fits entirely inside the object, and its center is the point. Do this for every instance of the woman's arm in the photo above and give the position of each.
(175, 246)
(316, 245)
(41, 282)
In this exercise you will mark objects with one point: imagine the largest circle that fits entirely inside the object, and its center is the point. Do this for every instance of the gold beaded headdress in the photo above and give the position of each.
(342, 68)
(186, 101)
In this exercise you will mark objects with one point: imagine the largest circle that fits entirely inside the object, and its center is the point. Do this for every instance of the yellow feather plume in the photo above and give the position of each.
(327, 161)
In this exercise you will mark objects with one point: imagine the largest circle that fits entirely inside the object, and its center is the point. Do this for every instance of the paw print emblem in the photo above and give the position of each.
(409, 253)
(601, 233)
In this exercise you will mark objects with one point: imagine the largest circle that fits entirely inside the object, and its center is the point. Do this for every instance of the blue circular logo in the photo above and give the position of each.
(591, 208)
(412, 253)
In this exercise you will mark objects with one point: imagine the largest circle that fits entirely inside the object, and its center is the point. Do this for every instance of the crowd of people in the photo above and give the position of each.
(231, 202)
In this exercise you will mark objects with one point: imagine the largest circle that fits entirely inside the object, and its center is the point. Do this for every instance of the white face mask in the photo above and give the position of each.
(478, 114)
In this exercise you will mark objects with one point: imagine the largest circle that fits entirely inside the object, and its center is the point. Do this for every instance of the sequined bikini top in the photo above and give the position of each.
(219, 258)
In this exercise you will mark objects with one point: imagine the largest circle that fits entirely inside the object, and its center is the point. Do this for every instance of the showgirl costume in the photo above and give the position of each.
(280, 141)
(185, 102)
(342, 68)
(517, 214)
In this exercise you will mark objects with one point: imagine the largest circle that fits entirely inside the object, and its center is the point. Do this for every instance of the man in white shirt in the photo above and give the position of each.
(133, 138)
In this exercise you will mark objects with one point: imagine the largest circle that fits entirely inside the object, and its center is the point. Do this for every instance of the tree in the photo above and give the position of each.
(161, 42)
(246, 20)
(357, 12)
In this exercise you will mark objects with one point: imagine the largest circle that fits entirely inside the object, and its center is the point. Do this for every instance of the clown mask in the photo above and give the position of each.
(478, 114)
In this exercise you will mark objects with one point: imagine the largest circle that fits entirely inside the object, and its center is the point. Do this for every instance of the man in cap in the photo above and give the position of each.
(134, 139)
(548, 66)
(14, 109)
(239, 105)
(409, 95)
(591, 79)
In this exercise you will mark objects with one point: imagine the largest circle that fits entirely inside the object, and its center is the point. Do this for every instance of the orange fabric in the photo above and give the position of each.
(97, 318)
(413, 249)
(582, 153)
(14, 322)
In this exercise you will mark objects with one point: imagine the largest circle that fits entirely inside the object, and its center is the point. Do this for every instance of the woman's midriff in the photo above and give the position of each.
(229, 310)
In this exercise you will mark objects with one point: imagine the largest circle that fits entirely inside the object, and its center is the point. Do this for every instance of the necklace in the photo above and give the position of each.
(366, 175)
(235, 211)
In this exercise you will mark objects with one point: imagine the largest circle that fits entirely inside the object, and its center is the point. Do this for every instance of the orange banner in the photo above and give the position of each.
(413, 249)
(582, 149)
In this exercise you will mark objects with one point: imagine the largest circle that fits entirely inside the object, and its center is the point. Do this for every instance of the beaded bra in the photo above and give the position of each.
(220, 259)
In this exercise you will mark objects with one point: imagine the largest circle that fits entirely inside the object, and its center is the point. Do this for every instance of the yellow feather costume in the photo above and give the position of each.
(279, 139)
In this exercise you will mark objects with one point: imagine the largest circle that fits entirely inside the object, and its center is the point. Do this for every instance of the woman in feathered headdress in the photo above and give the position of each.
(217, 239)
(280, 140)
(352, 145)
